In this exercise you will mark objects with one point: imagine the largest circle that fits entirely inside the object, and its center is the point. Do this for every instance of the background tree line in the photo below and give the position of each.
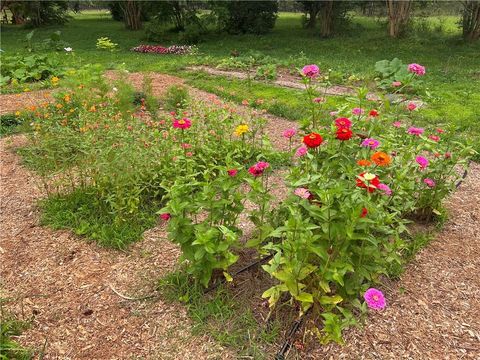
(195, 18)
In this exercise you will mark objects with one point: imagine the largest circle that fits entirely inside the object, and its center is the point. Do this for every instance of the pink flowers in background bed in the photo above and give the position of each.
(158, 49)
(310, 71)
(375, 299)
(416, 69)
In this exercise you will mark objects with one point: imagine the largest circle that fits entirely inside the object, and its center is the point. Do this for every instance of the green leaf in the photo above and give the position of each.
(330, 300)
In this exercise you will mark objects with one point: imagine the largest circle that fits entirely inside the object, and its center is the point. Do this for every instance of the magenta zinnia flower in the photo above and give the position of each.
(423, 162)
(375, 299)
(319, 100)
(184, 123)
(232, 172)
(416, 69)
(411, 106)
(385, 188)
(302, 192)
(289, 133)
(165, 216)
(302, 150)
(415, 131)
(429, 182)
(371, 143)
(310, 71)
(258, 168)
(357, 111)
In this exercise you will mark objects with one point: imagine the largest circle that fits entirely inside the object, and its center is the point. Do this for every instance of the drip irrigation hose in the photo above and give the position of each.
(245, 268)
(287, 344)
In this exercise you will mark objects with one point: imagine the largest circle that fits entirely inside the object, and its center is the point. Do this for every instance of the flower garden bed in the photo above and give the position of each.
(362, 172)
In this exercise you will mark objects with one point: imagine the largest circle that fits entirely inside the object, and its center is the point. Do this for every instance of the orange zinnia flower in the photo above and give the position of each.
(381, 159)
(364, 162)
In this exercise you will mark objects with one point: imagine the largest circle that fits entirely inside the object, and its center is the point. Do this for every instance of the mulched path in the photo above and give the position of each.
(65, 284)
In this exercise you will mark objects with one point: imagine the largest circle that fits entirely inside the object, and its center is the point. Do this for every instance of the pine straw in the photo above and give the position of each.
(64, 284)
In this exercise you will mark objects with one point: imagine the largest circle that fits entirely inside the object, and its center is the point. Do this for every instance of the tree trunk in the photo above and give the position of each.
(326, 18)
(132, 14)
(312, 17)
(398, 16)
(471, 20)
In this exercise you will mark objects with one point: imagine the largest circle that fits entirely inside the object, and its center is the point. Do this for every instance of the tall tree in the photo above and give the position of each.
(132, 14)
(398, 16)
(311, 8)
(471, 20)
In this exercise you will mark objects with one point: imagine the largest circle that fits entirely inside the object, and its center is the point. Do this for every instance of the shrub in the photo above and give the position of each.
(104, 43)
(29, 68)
(240, 17)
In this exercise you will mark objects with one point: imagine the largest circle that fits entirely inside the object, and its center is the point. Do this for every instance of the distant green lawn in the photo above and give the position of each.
(453, 67)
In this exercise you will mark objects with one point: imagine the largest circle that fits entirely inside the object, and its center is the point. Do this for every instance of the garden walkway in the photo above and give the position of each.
(65, 284)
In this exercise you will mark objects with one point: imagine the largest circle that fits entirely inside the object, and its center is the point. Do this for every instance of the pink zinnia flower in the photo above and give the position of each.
(319, 100)
(232, 172)
(448, 155)
(375, 299)
(186, 146)
(429, 182)
(385, 188)
(411, 106)
(258, 168)
(416, 69)
(343, 122)
(371, 143)
(397, 124)
(440, 131)
(301, 151)
(357, 111)
(396, 83)
(434, 138)
(289, 133)
(184, 123)
(423, 162)
(415, 131)
(333, 113)
(165, 216)
(189, 154)
(302, 192)
(310, 71)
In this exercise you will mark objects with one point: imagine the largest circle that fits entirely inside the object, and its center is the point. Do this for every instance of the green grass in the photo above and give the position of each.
(80, 212)
(453, 67)
(10, 327)
(222, 317)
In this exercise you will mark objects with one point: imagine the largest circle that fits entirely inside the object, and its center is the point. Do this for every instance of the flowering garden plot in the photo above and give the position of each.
(158, 49)
(360, 174)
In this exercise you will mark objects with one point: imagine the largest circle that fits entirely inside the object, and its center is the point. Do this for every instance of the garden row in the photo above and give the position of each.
(112, 162)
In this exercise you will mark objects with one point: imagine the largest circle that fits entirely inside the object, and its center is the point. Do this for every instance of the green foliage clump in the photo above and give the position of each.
(176, 97)
(29, 68)
(104, 43)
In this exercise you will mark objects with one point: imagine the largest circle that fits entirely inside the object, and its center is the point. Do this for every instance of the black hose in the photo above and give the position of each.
(287, 344)
(465, 173)
(245, 268)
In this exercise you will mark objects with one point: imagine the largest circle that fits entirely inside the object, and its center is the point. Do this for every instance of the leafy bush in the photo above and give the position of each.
(240, 17)
(395, 75)
(104, 43)
(29, 68)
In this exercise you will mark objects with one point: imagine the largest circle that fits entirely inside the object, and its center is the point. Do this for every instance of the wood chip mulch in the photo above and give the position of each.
(64, 284)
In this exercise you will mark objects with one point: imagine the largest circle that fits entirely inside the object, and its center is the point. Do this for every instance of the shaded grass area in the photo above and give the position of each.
(11, 124)
(81, 212)
(228, 320)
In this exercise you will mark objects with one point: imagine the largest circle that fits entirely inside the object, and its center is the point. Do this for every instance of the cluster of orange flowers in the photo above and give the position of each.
(379, 158)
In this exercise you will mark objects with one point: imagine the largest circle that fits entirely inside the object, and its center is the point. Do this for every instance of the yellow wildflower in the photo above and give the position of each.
(241, 129)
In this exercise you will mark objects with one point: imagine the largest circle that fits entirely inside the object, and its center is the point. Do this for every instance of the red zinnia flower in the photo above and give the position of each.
(165, 216)
(344, 133)
(364, 212)
(369, 184)
(312, 140)
(373, 113)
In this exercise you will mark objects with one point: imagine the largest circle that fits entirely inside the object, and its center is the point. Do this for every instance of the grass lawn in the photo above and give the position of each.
(453, 67)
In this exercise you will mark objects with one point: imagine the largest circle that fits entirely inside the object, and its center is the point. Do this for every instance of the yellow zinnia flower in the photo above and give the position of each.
(241, 129)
